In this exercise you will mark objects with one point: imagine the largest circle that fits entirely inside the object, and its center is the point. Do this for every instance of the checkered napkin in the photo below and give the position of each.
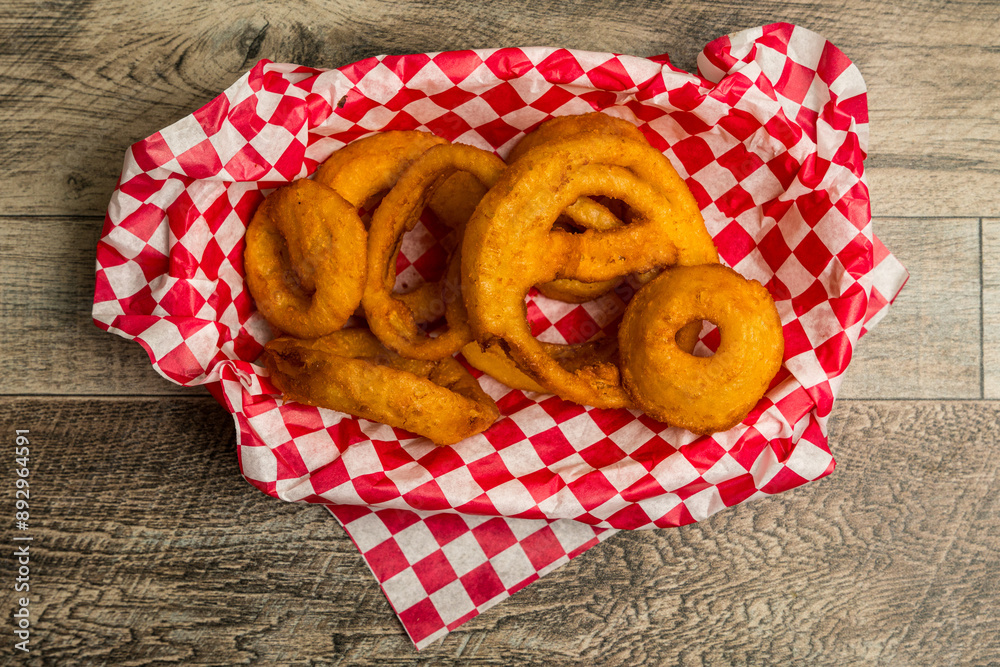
(770, 136)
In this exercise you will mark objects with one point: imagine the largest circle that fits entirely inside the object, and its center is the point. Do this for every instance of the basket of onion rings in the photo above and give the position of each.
(533, 283)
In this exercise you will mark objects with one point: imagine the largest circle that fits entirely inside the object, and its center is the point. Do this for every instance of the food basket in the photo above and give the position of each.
(771, 137)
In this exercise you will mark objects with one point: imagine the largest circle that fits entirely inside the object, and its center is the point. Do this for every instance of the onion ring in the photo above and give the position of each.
(584, 213)
(701, 394)
(494, 361)
(350, 371)
(510, 245)
(390, 319)
(365, 168)
(301, 256)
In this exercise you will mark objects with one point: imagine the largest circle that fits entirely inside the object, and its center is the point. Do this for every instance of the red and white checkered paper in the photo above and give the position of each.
(770, 136)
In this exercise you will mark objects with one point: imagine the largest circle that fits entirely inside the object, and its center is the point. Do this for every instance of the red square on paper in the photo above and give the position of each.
(445, 527)
(482, 584)
(542, 548)
(490, 471)
(552, 445)
(421, 620)
(434, 572)
(386, 560)
(494, 536)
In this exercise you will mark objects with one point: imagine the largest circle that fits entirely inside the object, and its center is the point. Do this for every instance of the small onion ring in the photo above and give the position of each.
(701, 394)
(301, 256)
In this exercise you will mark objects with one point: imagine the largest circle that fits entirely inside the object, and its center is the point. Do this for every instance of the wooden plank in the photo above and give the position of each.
(148, 546)
(991, 307)
(50, 343)
(928, 346)
(930, 140)
(83, 80)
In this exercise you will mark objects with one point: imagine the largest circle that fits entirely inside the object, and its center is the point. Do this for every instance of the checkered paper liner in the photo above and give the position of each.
(770, 136)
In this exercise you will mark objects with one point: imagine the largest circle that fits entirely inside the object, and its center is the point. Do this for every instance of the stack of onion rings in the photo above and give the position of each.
(583, 203)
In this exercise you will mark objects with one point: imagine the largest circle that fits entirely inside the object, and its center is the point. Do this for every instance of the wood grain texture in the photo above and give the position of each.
(991, 307)
(83, 80)
(927, 347)
(49, 340)
(149, 548)
(929, 344)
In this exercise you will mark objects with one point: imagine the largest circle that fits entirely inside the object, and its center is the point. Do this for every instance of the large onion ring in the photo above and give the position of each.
(301, 256)
(390, 318)
(701, 394)
(510, 245)
(584, 213)
(350, 371)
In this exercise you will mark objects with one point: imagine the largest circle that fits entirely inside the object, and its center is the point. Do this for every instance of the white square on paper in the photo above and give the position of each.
(512, 566)
(416, 542)
(452, 602)
(464, 554)
(404, 590)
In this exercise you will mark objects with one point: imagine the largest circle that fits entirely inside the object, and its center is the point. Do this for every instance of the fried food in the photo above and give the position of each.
(585, 213)
(701, 394)
(365, 169)
(390, 319)
(584, 203)
(494, 361)
(301, 256)
(350, 371)
(510, 245)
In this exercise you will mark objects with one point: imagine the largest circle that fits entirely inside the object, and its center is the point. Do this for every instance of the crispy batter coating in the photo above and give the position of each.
(584, 213)
(390, 318)
(362, 169)
(365, 169)
(350, 371)
(701, 394)
(496, 363)
(510, 245)
(301, 256)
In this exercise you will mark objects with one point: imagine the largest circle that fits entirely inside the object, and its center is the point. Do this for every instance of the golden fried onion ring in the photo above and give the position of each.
(510, 245)
(301, 256)
(365, 168)
(701, 394)
(584, 213)
(390, 319)
(350, 371)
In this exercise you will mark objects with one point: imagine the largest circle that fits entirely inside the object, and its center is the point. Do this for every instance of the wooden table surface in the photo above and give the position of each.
(149, 548)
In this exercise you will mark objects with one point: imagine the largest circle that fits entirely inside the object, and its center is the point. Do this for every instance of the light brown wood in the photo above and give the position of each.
(149, 546)
(50, 342)
(991, 307)
(151, 549)
(929, 344)
(84, 80)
